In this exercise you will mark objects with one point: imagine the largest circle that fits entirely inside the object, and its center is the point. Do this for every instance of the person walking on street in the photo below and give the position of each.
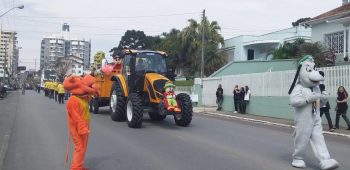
(241, 99)
(23, 88)
(219, 97)
(324, 106)
(55, 85)
(342, 107)
(236, 98)
(246, 99)
(52, 90)
(61, 93)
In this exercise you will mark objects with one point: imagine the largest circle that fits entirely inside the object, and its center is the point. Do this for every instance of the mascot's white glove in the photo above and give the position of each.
(312, 97)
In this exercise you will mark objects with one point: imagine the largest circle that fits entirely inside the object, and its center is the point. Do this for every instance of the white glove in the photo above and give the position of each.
(312, 97)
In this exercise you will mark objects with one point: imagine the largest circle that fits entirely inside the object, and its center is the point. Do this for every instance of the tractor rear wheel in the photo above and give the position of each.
(134, 111)
(183, 118)
(117, 103)
(94, 106)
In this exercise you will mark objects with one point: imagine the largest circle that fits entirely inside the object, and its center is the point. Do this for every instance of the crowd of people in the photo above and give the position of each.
(340, 109)
(54, 90)
(241, 98)
(242, 95)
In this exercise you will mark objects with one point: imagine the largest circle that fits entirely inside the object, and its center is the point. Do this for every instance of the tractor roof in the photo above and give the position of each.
(133, 51)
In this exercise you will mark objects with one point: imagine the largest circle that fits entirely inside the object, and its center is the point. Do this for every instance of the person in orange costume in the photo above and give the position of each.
(79, 116)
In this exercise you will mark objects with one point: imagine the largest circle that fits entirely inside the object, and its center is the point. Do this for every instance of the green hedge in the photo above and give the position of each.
(184, 83)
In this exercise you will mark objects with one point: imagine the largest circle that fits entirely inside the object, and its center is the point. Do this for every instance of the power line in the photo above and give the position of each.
(84, 26)
(111, 17)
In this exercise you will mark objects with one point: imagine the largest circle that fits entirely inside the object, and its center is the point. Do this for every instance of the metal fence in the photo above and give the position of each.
(272, 83)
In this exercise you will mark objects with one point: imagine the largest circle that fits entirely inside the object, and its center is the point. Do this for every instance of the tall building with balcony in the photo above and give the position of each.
(8, 53)
(57, 46)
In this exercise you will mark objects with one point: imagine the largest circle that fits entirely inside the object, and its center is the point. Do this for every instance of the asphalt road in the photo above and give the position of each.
(39, 137)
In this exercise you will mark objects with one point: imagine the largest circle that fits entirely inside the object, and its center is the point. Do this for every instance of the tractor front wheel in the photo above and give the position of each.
(183, 118)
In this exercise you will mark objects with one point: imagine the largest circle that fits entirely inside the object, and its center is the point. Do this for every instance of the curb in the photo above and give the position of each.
(266, 122)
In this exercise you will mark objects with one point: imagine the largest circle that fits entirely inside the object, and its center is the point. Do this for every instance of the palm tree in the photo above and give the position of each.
(191, 47)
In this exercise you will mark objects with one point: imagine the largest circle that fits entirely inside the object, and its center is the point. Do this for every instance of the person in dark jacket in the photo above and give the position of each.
(342, 107)
(241, 100)
(219, 97)
(236, 98)
(324, 106)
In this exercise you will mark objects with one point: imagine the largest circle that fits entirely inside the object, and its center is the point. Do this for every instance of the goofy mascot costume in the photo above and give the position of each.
(305, 98)
(79, 116)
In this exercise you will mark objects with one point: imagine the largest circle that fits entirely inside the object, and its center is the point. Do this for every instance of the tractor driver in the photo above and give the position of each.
(140, 65)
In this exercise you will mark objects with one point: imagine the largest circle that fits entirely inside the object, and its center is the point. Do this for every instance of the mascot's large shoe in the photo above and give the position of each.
(329, 164)
(298, 163)
(305, 98)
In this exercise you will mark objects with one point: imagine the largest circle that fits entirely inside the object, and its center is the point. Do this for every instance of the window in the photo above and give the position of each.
(335, 41)
(250, 54)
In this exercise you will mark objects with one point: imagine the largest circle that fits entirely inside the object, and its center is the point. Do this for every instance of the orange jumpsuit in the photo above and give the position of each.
(79, 127)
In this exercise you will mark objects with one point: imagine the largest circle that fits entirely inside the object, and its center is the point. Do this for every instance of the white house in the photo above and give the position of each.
(251, 47)
(332, 29)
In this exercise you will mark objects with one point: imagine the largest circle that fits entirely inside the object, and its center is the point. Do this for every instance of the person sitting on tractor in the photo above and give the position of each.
(170, 98)
(118, 63)
(140, 65)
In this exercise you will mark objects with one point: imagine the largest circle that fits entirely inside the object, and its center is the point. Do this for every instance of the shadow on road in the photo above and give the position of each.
(167, 123)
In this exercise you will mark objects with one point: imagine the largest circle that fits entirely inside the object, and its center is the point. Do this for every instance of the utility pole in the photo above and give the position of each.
(202, 56)
(35, 64)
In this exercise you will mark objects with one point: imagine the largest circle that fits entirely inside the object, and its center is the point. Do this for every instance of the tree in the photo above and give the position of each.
(171, 44)
(317, 50)
(61, 67)
(133, 39)
(299, 21)
(299, 48)
(191, 47)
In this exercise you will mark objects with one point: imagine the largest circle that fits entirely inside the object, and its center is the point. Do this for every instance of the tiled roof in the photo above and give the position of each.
(336, 11)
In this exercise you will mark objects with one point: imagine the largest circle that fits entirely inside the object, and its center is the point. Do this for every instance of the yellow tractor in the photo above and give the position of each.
(138, 90)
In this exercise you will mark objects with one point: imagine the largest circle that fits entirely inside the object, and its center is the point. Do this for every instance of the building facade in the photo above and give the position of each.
(57, 46)
(332, 30)
(8, 53)
(251, 47)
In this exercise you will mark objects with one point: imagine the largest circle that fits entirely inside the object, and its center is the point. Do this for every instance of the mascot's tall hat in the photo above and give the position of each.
(300, 63)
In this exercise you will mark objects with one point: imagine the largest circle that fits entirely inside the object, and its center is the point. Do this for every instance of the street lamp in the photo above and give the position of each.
(19, 7)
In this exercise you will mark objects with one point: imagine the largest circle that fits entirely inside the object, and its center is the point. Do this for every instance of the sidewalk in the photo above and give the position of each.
(8, 108)
(211, 111)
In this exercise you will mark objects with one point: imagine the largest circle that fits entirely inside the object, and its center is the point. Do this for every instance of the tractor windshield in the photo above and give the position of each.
(150, 62)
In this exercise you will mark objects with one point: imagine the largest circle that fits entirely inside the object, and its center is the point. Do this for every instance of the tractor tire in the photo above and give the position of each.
(156, 116)
(94, 106)
(134, 111)
(117, 103)
(183, 118)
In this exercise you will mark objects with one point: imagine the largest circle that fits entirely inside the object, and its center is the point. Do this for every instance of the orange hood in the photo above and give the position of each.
(81, 86)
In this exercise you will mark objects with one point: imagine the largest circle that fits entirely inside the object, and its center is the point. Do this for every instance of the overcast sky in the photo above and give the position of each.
(89, 18)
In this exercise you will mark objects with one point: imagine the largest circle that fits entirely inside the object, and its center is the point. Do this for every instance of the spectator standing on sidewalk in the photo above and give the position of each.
(342, 107)
(236, 98)
(219, 97)
(246, 99)
(241, 100)
(324, 106)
